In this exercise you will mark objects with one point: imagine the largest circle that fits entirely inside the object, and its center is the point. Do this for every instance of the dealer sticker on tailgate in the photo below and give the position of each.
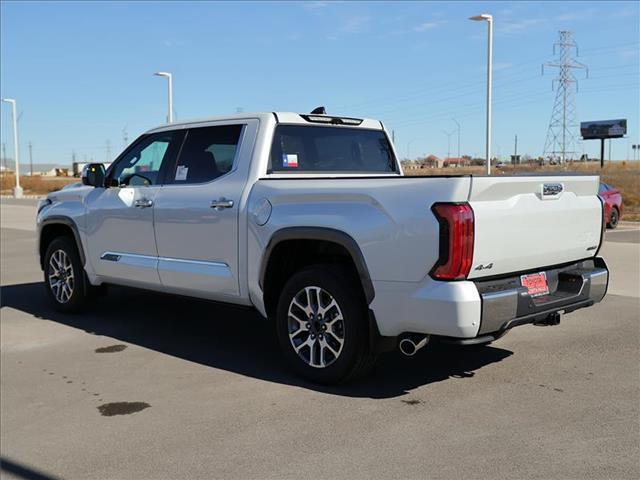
(536, 283)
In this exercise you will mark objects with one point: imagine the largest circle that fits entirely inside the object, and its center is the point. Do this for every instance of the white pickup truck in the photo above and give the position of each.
(309, 219)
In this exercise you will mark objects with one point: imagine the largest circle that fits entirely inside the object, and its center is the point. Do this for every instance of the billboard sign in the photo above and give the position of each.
(603, 129)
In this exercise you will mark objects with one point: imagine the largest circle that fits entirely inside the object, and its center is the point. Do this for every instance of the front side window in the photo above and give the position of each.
(207, 153)
(299, 148)
(142, 164)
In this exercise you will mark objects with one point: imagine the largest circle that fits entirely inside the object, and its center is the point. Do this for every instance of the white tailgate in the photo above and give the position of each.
(518, 228)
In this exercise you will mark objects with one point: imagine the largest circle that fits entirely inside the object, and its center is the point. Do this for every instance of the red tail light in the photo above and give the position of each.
(456, 241)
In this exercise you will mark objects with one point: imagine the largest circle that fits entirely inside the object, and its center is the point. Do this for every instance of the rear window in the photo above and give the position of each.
(298, 148)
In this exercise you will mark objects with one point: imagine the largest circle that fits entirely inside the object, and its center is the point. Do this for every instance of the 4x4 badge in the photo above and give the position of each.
(484, 267)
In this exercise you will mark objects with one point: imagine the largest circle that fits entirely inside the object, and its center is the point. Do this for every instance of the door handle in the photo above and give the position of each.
(143, 203)
(221, 203)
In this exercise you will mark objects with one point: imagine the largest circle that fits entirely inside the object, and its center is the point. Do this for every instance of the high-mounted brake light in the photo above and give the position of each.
(331, 120)
(456, 241)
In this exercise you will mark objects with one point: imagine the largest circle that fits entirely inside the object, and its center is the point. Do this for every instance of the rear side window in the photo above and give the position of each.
(298, 148)
(207, 153)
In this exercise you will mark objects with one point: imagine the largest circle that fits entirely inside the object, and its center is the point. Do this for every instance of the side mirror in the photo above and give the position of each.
(93, 174)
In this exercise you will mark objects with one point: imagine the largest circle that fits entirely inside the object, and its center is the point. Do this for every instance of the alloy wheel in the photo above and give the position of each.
(61, 278)
(316, 327)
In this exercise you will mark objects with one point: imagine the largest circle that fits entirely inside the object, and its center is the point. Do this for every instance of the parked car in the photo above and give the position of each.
(309, 219)
(613, 206)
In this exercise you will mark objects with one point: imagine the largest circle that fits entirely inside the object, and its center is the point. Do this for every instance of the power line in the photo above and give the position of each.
(561, 134)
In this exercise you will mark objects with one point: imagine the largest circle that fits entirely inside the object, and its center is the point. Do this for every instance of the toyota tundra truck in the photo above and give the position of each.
(309, 219)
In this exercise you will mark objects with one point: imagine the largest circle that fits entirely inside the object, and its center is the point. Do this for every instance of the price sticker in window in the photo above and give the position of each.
(181, 173)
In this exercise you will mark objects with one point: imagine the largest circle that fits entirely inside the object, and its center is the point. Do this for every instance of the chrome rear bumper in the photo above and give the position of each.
(506, 303)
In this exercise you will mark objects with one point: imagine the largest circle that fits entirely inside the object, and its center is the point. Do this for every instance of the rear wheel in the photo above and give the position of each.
(322, 325)
(614, 217)
(64, 276)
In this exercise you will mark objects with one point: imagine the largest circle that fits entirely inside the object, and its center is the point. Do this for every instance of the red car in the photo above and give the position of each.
(612, 204)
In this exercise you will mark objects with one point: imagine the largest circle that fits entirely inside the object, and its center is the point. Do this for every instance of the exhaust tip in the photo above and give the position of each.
(410, 344)
(407, 347)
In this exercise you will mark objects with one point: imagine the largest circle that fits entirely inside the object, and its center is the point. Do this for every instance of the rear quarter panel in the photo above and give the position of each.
(389, 218)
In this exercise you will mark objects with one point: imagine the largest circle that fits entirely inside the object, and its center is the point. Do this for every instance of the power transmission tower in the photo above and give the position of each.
(561, 135)
(125, 138)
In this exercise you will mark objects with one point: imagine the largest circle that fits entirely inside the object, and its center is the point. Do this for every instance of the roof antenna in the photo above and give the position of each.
(319, 111)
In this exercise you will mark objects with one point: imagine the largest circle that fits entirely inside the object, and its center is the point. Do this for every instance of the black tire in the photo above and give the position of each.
(354, 359)
(614, 217)
(77, 299)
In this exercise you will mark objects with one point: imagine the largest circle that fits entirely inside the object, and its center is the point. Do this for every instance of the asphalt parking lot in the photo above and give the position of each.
(149, 386)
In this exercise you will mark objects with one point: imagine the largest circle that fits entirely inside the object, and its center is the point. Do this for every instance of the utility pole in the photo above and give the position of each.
(125, 138)
(561, 135)
(4, 155)
(393, 137)
(30, 160)
(515, 151)
(609, 149)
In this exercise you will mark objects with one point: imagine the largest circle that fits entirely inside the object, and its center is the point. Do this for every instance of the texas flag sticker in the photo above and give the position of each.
(289, 160)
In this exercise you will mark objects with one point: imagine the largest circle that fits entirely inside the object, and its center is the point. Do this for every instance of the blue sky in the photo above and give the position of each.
(82, 72)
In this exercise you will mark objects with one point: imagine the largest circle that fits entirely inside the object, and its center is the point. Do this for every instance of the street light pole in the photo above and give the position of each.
(17, 191)
(458, 125)
(170, 93)
(448, 134)
(489, 19)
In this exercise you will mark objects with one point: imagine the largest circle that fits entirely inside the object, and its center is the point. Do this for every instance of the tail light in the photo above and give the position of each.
(456, 241)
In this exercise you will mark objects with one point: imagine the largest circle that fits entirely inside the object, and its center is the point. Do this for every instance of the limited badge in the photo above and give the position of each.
(289, 160)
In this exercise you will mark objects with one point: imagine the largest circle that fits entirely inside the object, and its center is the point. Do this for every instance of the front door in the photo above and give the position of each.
(121, 239)
(196, 212)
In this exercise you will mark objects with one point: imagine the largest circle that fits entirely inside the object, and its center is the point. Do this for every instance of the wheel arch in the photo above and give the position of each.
(317, 244)
(56, 226)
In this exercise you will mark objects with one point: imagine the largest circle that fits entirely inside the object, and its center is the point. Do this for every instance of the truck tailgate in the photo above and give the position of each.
(531, 222)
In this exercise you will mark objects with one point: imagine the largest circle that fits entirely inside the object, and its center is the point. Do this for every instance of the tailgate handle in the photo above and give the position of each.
(552, 190)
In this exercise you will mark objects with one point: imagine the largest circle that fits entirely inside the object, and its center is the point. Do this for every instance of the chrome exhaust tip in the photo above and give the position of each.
(410, 344)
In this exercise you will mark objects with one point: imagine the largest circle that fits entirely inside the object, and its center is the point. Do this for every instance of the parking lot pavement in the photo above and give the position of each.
(149, 386)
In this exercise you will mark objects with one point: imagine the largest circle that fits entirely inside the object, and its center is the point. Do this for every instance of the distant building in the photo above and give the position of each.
(457, 162)
(431, 161)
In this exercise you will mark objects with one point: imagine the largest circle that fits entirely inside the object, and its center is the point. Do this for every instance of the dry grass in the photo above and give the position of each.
(625, 176)
(35, 185)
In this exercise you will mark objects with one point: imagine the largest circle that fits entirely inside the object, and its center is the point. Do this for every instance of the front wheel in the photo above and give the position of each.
(322, 325)
(64, 276)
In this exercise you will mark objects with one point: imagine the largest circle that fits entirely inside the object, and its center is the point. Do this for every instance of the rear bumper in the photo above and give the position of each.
(506, 304)
(471, 312)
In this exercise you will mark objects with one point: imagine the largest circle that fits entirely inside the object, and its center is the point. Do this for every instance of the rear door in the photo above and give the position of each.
(121, 244)
(530, 222)
(196, 212)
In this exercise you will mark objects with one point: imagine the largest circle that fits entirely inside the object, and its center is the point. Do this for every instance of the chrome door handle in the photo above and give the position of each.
(221, 203)
(143, 203)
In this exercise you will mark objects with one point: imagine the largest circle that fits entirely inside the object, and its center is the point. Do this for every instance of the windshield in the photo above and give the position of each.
(302, 149)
